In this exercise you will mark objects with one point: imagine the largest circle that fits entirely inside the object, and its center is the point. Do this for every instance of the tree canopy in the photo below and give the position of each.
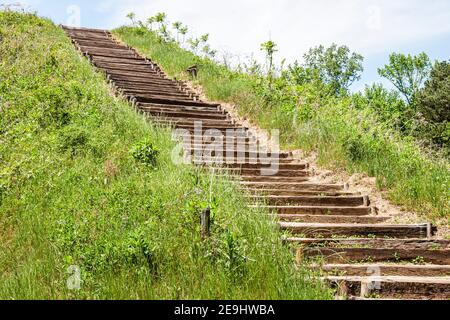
(336, 66)
(407, 73)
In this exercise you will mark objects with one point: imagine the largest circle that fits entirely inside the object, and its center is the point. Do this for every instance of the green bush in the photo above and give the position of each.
(145, 153)
(433, 107)
(386, 105)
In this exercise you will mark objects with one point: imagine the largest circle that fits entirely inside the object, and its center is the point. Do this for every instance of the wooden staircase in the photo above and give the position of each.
(360, 253)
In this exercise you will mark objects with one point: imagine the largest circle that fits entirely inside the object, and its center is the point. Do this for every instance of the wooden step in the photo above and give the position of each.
(125, 66)
(244, 155)
(150, 83)
(157, 92)
(355, 255)
(205, 130)
(319, 210)
(161, 98)
(107, 53)
(411, 243)
(191, 122)
(373, 269)
(129, 61)
(148, 75)
(276, 171)
(207, 110)
(177, 102)
(120, 51)
(294, 186)
(327, 201)
(90, 37)
(236, 161)
(106, 44)
(280, 192)
(381, 230)
(85, 30)
(185, 114)
(273, 179)
(330, 219)
(141, 80)
(231, 146)
(111, 57)
(146, 81)
(282, 166)
(392, 287)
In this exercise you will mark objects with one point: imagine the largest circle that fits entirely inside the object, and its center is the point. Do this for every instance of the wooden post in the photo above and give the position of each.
(206, 223)
(193, 71)
(366, 288)
(342, 290)
(299, 256)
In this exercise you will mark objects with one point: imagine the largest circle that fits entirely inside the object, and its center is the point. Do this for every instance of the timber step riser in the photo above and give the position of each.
(330, 219)
(423, 244)
(339, 211)
(392, 289)
(330, 230)
(316, 201)
(386, 270)
(355, 255)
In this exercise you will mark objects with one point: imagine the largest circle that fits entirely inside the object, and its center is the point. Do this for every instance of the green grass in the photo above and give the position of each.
(345, 138)
(71, 193)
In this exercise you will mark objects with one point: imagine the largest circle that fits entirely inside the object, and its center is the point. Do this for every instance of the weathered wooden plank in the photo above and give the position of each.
(374, 269)
(395, 287)
(381, 230)
(354, 255)
(330, 219)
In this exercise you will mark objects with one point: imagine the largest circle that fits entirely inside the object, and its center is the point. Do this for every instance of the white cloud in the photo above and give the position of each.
(369, 27)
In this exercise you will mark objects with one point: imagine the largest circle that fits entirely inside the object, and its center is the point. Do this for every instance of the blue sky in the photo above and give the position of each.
(373, 28)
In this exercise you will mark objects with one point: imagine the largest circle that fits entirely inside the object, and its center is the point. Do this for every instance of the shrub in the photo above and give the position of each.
(72, 139)
(433, 106)
(145, 153)
(386, 105)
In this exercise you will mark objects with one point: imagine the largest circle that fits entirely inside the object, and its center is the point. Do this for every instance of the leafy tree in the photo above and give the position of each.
(208, 51)
(433, 106)
(163, 30)
(297, 74)
(204, 38)
(132, 17)
(160, 18)
(177, 26)
(165, 33)
(269, 48)
(150, 22)
(183, 31)
(336, 66)
(407, 73)
(194, 44)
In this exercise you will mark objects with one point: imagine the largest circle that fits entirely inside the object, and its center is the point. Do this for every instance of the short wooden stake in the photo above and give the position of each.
(206, 223)
(299, 256)
(366, 288)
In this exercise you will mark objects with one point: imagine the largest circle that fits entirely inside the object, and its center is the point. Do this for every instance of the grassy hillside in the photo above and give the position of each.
(346, 138)
(73, 194)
